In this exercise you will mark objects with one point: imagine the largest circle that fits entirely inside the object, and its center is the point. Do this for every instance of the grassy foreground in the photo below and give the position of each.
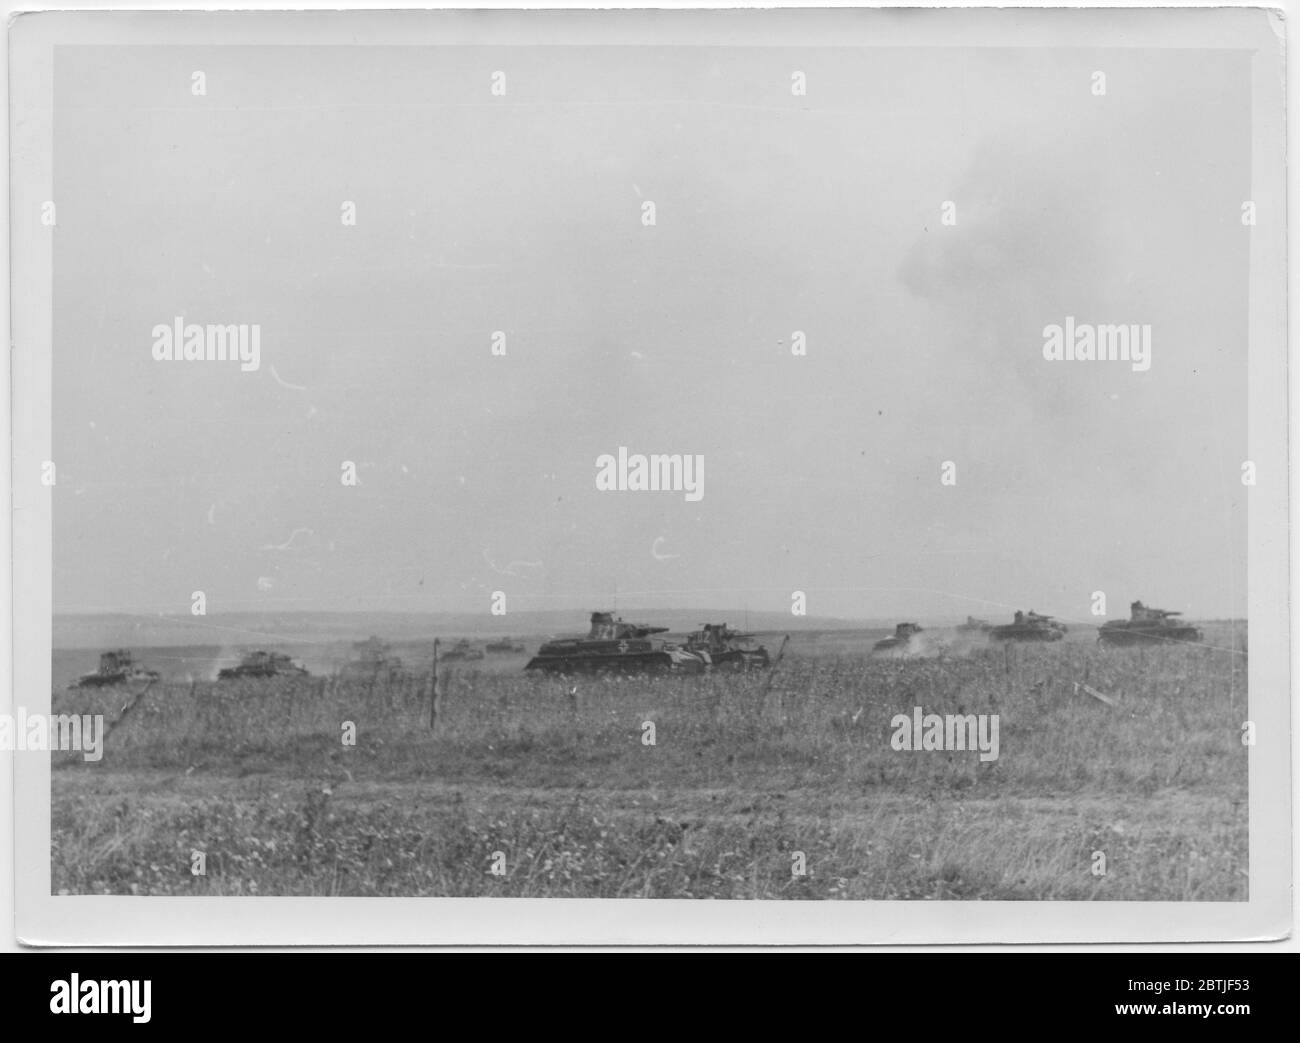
(555, 787)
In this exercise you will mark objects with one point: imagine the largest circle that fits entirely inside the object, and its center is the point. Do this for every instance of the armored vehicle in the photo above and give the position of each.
(262, 664)
(973, 625)
(905, 639)
(727, 649)
(614, 646)
(503, 647)
(116, 668)
(1029, 626)
(374, 659)
(463, 650)
(1147, 626)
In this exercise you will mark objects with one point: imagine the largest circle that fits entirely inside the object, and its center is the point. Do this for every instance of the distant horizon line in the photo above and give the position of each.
(418, 613)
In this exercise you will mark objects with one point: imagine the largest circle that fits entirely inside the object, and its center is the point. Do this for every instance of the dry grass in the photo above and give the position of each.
(256, 776)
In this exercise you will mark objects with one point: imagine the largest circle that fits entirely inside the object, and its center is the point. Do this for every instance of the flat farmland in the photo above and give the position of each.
(726, 786)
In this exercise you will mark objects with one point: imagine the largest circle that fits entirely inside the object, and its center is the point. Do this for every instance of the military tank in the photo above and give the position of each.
(727, 649)
(1146, 626)
(374, 658)
(503, 647)
(973, 626)
(262, 664)
(462, 650)
(1029, 626)
(905, 639)
(116, 668)
(615, 646)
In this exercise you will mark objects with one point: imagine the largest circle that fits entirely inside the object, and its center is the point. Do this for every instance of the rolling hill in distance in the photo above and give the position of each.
(254, 628)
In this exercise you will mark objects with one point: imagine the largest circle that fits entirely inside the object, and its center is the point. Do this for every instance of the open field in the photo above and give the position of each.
(555, 776)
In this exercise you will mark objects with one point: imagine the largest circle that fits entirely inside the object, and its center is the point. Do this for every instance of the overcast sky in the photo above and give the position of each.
(774, 213)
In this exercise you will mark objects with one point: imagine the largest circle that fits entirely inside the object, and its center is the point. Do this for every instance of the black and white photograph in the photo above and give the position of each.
(832, 457)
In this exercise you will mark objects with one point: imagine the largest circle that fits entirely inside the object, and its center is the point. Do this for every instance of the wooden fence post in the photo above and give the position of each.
(433, 689)
(771, 672)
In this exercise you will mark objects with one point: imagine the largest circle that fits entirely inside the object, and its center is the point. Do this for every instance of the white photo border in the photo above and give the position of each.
(87, 920)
